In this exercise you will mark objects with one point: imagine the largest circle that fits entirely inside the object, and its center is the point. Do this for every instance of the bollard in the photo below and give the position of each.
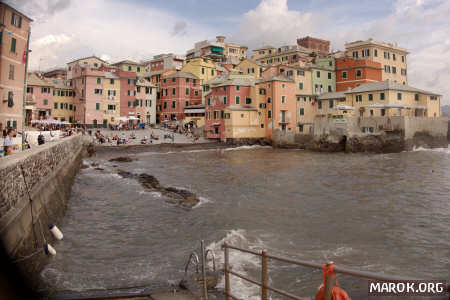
(264, 276)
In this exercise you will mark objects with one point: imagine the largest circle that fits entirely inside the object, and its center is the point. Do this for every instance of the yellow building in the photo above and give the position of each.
(63, 107)
(392, 58)
(333, 105)
(389, 98)
(111, 94)
(250, 67)
(131, 66)
(203, 68)
(285, 54)
(195, 114)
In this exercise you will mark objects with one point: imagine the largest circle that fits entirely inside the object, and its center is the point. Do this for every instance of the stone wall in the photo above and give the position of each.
(49, 172)
(369, 134)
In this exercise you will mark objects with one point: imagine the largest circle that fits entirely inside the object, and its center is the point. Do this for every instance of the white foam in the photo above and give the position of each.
(202, 201)
(247, 148)
(442, 150)
(239, 261)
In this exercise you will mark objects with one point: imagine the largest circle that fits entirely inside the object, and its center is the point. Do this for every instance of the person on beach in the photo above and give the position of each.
(8, 144)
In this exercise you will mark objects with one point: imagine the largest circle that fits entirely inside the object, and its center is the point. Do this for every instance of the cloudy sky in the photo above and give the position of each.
(64, 30)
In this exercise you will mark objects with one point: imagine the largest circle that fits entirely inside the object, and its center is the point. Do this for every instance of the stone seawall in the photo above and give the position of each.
(49, 171)
(374, 134)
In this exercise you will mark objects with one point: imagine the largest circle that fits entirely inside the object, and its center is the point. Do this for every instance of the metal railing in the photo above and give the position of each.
(264, 274)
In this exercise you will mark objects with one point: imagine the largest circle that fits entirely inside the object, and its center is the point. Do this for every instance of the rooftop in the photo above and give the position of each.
(33, 79)
(182, 75)
(332, 95)
(372, 42)
(93, 56)
(126, 62)
(386, 86)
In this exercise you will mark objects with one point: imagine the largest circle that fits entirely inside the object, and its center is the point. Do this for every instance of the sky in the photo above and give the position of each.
(64, 30)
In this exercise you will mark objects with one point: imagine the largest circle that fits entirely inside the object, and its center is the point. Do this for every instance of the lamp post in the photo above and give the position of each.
(25, 88)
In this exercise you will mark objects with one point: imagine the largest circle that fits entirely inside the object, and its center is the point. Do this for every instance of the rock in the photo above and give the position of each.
(99, 169)
(149, 181)
(94, 164)
(122, 159)
(84, 166)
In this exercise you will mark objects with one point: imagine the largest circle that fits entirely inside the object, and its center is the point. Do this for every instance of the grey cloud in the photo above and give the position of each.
(179, 28)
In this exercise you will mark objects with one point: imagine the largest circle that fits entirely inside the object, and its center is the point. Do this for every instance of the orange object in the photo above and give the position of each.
(337, 293)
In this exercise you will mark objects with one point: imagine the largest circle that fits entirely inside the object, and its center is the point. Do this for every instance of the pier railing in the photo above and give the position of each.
(264, 283)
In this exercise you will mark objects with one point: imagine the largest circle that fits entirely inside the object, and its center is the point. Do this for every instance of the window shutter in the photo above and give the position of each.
(20, 21)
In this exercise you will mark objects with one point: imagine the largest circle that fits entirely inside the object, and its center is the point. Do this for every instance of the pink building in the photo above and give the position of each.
(128, 101)
(178, 90)
(233, 91)
(39, 96)
(87, 83)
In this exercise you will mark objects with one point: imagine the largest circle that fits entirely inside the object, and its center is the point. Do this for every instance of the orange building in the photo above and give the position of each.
(351, 72)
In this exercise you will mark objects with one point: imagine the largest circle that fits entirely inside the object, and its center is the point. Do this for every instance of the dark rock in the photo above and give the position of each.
(84, 166)
(99, 169)
(94, 164)
(90, 149)
(122, 159)
(149, 181)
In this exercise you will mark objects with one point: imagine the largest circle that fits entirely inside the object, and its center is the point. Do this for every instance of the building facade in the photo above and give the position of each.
(392, 58)
(14, 34)
(317, 45)
(351, 72)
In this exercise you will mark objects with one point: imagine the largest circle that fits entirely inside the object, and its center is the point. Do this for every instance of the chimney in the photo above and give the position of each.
(220, 39)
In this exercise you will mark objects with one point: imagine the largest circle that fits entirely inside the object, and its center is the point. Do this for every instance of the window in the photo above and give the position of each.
(187, 91)
(331, 103)
(97, 106)
(370, 97)
(174, 91)
(300, 127)
(10, 99)
(99, 80)
(358, 73)
(165, 105)
(269, 114)
(393, 56)
(212, 72)
(375, 53)
(416, 97)
(269, 100)
(45, 102)
(186, 103)
(55, 105)
(13, 45)
(387, 69)
(203, 70)
(61, 105)
(330, 63)
(302, 111)
(16, 20)
(344, 74)
(283, 86)
(330, 89)
(262, 125)
(318, 74)
(329, 75)
(283, 99)
(403, 72)
(11, 72)
(238, 88)
(29, 90)
(248, 100)
(129, 68)
(358, 98)
(319, 104)
(225, 100)
(164, 80)
(238, 99)
(174, 79)
(138, 69)
(174, 104)
(403, 59)
(98, 91)
(65, 105)
(300, 85)
(70, 106)
(300, 73)
(399, 96)
(383, 112)
(394, 70)
(355, 54)
(138, 89)
(209, 101)
(381, 96)
(196, 93)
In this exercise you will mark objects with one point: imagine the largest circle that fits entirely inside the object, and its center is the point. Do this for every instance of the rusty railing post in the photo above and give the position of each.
(205, 285)
(328, 288)
(227, 274)
(264, 276)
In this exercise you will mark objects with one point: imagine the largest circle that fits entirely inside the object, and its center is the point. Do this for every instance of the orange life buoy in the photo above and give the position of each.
(337, 293)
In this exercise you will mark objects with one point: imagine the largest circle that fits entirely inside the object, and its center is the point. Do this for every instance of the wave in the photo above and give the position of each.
(241, 262)
(203, 200)
(442, 150)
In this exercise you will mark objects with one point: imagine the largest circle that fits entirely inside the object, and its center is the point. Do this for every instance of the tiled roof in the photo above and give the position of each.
(387, 85)
(126, 61)
(87, 58)
(60, 83)
(181, 75)
(34, 80)
(238, 81)
(277, 78)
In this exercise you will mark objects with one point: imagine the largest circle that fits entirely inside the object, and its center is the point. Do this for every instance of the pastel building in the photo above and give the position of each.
(128, 101)
(130, 66)
(250, 67)
(390, 98)
(13, 48)
(111, 96)
(218, 50)
(289, 54)
(146, 97)
(351, 72)
(232, 90)
(92, 62)
(161, 63)
(88, 85)
(392, 58)
(63, 96)
(279, 101)
(323, 79)
(178, 90)
(39, 97)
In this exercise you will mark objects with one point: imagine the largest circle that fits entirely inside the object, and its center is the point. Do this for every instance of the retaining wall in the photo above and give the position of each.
(49, 171)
